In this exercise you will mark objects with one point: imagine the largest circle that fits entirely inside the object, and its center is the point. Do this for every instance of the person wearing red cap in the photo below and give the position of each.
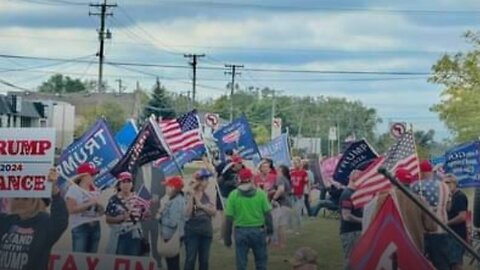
(415, 220)
(85, 208)
(171, 217)
(249, 210)
(437, 196)
(123, 216)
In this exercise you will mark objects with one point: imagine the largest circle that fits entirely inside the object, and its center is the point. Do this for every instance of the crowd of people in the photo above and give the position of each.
(259, 205)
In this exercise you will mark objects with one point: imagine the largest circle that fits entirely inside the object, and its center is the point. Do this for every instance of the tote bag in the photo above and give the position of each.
(170, 248)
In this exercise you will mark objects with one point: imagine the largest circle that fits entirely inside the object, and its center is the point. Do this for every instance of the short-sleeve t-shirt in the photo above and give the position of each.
(284, 199)
(459, 204)
(265, 182)
(299, 179)
(248, 211)
(74, 192)
(346, 203)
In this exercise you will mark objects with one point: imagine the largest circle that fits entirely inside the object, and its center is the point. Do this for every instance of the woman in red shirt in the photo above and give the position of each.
(267, 176)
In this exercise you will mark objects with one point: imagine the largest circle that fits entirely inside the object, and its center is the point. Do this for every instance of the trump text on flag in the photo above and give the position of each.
(26, 155)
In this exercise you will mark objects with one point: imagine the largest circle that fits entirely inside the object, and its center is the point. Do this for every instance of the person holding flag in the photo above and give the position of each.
(437, 195)
(123, 216)
(83, 202)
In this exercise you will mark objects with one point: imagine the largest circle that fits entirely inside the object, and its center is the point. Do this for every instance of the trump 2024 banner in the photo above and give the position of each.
(26, 156)
(277, 150)
(96, 146)
(357, 156)
(237, 136)
(464, 162)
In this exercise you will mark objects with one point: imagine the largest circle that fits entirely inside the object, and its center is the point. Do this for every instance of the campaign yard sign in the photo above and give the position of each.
(84, 261)
(464, 162)
(96, 146)
(26, 156)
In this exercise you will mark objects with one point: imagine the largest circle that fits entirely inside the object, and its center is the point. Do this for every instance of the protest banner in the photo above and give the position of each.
(88, 261)
(356, 157)
(327, 168)
(237, 136)
(126, 135)
(182, 157)
(26, 156)
(96, 146)
(464, 162)
(276, 150)
(386, 244)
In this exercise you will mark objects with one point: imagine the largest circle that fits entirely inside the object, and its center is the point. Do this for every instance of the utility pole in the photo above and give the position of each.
(102, 35)
(233, 72)
(194, 63)
(120, 86)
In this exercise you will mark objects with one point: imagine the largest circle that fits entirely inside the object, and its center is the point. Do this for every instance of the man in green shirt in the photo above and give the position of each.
(248, 209)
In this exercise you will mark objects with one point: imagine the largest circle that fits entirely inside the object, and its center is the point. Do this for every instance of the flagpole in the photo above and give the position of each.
(210, 158)
(415, 200)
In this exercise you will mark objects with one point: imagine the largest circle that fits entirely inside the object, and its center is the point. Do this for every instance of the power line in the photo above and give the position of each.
(211, 4)
(264, 70)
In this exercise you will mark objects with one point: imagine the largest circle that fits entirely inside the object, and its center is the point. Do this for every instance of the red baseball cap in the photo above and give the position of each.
(426, 166)
(245, 175)
(87, 168)
(404, 176)
(125, 176)
(237, 159)
(175, 182)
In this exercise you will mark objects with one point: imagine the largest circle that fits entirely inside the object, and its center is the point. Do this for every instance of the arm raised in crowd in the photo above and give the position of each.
(58, 213)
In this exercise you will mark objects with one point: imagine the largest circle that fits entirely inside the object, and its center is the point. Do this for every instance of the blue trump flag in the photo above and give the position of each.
(356, 157)
(126, 135)
(464, 162)
(182, 157)
(276, 150)
(96, 146)
(237, 136)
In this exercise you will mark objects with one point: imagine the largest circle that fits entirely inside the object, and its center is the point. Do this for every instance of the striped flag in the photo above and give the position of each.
(402, 154)
(143, 198)
(181, 134)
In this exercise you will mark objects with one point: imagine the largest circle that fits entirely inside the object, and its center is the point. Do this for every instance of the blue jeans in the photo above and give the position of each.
(128, 246)
(324, 204)
(197, 245)
(85, 238)
(251, 238)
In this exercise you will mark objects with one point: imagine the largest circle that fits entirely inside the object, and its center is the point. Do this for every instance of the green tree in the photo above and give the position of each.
(160, 103)
(459, 75)
(112, 112)
(62, 84)
(261, 134)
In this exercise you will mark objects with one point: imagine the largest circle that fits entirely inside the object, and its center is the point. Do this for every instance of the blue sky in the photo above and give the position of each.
(352, 35)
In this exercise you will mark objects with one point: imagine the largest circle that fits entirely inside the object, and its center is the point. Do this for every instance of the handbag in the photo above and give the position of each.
(171, 247)
(144, 246)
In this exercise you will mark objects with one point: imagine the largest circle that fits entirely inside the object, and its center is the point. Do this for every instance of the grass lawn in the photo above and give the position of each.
(320, 234)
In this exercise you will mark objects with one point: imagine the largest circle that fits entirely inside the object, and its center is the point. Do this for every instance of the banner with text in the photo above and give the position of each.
(237, 136)
(81, 261)
(277, 150)
(182, 157)
(356, 157)
(464, 162)
(26, 156)
(96, 146)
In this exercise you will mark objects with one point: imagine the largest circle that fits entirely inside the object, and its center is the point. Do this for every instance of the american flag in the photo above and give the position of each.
(402, 154)
(182, 133)
(143, 198)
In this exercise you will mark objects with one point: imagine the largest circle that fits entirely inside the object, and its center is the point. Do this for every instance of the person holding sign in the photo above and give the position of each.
(28, 233)
(123, 216)
(85, 210)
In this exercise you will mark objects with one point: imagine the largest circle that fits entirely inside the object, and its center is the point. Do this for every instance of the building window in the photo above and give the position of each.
(25, 122)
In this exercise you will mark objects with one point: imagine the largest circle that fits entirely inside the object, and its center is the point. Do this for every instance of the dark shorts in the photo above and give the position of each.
(455, 252)
(436, 248)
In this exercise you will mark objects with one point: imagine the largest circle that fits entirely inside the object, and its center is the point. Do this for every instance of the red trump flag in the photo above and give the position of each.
(386, 244)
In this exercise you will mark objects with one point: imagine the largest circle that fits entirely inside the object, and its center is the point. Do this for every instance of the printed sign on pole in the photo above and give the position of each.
(276, 127)
(397, 129)
(26, 156)
(332, 134)
(212, 120)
